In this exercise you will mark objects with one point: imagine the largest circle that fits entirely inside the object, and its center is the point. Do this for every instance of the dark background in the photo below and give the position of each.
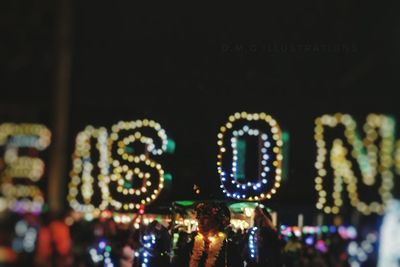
(190, 69)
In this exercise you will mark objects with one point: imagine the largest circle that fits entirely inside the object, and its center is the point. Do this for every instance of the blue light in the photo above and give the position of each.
(309, 240)
(102, 244)
(245, 189)
(149, 241)
(101, 254)
(253, 243)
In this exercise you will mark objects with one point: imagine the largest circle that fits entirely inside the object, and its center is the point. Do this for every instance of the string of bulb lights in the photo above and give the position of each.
(16, 196)
(119, 168)
(372, 161)
(270, 176)
(377, 156)
(81, 173)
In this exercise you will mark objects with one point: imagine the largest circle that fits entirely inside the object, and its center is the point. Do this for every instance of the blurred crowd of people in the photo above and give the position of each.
(50, 241)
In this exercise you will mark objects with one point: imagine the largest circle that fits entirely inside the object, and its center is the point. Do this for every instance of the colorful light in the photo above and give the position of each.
(270, 174)
(22, 197)
(321, 246)
(346, 232)
(372, 160)
(101, 254)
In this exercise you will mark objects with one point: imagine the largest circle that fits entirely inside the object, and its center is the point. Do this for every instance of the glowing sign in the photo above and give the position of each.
(132, 165)
(230, 162)
(372, 160)
(82, 169)
(21, 172)
(126, 175)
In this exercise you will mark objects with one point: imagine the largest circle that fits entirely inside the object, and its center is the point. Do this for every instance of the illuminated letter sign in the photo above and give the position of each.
(127, 174)
(82, 179)
(20, 173)
(136, 179)
(343, 154)
(231, 162)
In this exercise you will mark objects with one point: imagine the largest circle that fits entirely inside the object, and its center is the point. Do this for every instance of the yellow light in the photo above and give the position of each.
(375, 161)
(15, 136)
(229, 130)
(153, 182)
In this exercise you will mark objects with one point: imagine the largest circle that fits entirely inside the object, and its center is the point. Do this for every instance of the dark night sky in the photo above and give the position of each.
(190, 70)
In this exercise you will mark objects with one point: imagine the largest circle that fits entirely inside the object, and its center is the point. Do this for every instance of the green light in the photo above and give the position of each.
(167, 177)
(239, 175)
(325, 229)
(285, 137)
(185, 203)
(108, 248)
(167, 182)
(171, 146)
(45, 208)
(127, 185)
(129, 150)
(238, 207)
(285, 152)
